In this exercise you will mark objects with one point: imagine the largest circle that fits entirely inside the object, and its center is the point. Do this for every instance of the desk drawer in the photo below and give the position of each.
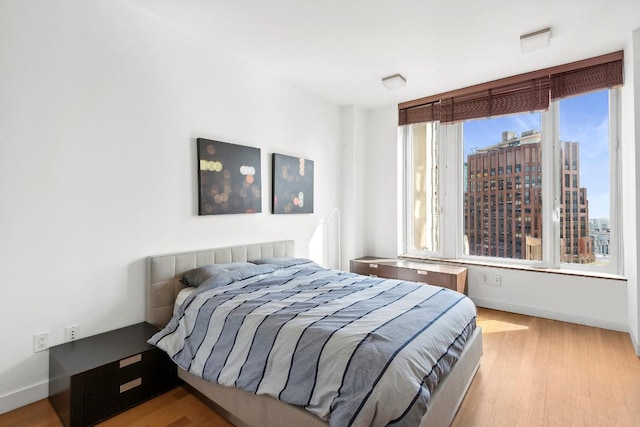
(425, 276)
(373, 269)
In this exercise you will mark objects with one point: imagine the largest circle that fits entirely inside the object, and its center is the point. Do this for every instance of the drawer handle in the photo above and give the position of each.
(423, 272)
(373, 265)
(131, 384)
(130, 360)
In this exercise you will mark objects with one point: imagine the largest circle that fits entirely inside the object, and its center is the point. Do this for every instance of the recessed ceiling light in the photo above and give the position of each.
(395, 81)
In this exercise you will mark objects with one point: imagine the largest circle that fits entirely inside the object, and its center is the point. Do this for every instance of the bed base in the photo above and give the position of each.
(246, 409)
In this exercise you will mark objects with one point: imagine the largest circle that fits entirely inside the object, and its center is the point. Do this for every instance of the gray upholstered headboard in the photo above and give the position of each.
(164, 272)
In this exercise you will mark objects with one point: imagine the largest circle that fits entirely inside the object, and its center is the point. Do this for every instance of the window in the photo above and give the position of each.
(533, 188)
(584, 143)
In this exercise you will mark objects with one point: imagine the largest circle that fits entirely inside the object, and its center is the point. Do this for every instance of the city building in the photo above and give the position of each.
(575, 243)
(599, 232)
(503, 201)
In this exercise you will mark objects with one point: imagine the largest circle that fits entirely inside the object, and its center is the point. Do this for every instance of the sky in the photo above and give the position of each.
(583, 119)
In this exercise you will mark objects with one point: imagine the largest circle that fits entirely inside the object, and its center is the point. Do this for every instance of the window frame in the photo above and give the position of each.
(451, 215)
(405, 134)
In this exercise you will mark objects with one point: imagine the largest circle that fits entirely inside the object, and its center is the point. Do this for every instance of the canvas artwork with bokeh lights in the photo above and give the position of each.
(292, 185)
(228, 178)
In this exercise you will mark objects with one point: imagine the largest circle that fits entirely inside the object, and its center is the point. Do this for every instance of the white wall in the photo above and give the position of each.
(381, 175)
(352, 185)
(604, 303)
(631, 185)
(100, 105)
(369, 181)
(584, 300)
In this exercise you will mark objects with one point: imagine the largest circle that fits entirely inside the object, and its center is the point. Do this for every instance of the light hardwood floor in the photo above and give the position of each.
(538, 372)
(534, 372)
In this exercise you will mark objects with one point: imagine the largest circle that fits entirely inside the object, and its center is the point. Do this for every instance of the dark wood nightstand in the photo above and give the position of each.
(447, 276)
(96, 377)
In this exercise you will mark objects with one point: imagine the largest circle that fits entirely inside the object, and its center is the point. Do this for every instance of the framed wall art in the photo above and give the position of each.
(292, 185)
(228, 178)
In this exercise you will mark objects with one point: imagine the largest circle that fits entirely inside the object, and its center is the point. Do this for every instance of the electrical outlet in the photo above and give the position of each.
(71, 332)
(40, 341)
(497, 280)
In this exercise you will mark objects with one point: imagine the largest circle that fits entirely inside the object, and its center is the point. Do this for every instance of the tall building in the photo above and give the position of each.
(503, 201)
(575, 243)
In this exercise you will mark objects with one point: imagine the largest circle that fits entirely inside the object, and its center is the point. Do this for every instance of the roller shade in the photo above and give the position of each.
(518, 94)
(589, 79)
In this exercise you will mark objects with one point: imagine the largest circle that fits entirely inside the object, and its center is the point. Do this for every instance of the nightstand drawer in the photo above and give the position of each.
(425, 276)
(116, 399)
(109, 376)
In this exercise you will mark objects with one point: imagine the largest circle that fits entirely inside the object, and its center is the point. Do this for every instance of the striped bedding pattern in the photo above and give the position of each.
(354, 350)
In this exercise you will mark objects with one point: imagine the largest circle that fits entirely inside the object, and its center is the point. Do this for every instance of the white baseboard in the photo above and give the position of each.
(25, 396)
(546, 314)
(634, 341)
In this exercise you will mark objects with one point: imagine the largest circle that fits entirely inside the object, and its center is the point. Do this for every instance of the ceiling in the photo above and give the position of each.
(340, 49)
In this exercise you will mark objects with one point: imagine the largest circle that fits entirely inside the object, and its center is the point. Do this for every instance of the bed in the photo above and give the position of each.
(244, 408)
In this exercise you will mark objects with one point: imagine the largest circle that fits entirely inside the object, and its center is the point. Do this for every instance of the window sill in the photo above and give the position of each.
(503, 265)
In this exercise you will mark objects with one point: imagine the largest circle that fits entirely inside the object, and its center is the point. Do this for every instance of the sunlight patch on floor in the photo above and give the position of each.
(489, 326)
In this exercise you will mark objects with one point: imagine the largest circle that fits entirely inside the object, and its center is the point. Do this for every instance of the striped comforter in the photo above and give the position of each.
(354, 350)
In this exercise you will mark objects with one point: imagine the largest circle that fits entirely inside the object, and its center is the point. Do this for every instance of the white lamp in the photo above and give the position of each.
(395, 81)
(535, 40)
